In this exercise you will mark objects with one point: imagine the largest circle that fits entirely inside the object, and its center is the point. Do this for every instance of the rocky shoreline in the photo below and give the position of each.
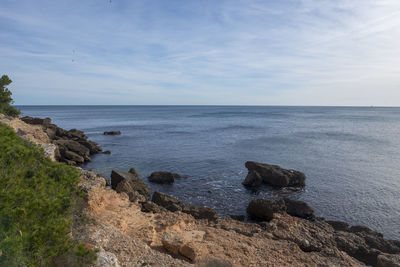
(131, 228)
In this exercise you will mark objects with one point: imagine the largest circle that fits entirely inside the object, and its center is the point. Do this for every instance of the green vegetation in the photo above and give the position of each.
(5, 98)
(36, 198)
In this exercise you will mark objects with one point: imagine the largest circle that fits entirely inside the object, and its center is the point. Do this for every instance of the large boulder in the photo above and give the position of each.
(36, 121)
(161, 177)
(73, 146)
(264, 209)
(273, 175)
(299, 209)
(128, 183)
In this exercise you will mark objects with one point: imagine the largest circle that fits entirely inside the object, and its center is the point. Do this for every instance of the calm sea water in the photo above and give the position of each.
(351, 156)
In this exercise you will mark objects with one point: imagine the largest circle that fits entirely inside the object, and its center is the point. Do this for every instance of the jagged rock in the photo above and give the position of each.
(187, 243)
(201, 212)
(192, 251)
(127, 182)
(134, 172)
(161, 177)
(108, 152)
(149, 206)
(112, 133)
(265, 208)
(135, 196)
(92, 146)
(273, 175)
(36, 121)
(299, 209)
(387, 260)
(72, 156)
(74, 147)
(252, 179)
(173, 204)
(168, 202)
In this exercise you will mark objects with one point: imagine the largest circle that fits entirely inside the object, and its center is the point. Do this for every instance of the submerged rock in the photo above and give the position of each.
(112, 133)
(272, 174)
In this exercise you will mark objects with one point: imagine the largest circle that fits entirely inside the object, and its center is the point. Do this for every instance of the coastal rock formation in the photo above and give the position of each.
(112, 133)
(73, 146)
(173, 204)
(264, 209)
(161, 177)
(130, 183)
(272, 174)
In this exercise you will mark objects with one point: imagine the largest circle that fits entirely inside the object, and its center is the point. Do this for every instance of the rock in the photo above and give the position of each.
(172, 242)
(134, 172)
(106, 259)
(252, 179)
(127, 182)
(273, 175)
(387, 260)
(135, 196)
(161, 177)
(168, 202)
(178, 176)
(93, 147)
(239, 218)
(299, 209)
(72, 156)
(265, 208)
(112, 133)
(201, 212)
(339, 226)
(108, 152)
(50, 150)
(192, 251)
(73, 146)
(149, 206)
(36, 121)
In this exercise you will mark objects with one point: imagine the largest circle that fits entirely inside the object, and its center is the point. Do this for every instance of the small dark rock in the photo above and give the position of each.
(112, 133)
(238, 217)
(168, 202)
(339, 226)
(108, 152)
(161, 177)
(201, 212)
(150, 206)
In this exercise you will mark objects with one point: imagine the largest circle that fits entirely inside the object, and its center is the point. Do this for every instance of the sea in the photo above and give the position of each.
(350, 155)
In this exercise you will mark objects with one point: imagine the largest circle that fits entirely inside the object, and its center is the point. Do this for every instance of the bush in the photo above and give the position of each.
(36, 198)
(5, 98)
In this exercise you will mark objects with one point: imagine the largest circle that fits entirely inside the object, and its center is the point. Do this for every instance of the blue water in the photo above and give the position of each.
(351, 156)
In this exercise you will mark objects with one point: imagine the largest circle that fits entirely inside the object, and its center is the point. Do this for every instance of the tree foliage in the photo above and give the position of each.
(36, 198)
(5, 98)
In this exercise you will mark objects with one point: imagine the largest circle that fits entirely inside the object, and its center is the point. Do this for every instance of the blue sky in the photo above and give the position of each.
(297, 52)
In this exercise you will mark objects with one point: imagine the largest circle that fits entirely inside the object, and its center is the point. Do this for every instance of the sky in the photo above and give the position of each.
(183, 52)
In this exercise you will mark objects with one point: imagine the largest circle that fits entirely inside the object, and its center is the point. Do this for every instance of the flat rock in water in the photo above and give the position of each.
(272, 174)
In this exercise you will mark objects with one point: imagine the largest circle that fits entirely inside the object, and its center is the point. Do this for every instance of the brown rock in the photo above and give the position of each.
(72, 156)
(112, 133)
(128, 183)
(192, 250)
(252, 179)
(201, 212)
(299, 209)
(172, 242)
(387, 260)
(168, 202)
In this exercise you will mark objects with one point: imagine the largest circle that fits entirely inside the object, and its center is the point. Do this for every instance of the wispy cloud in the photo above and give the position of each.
(304, 52)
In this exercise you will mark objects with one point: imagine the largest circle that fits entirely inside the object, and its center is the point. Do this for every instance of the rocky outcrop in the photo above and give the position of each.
(264, 209)
(173, 204)
(73, 146)
(129, 183)
(274, 175)
(299, 209)
(112, 133)
(161, 178)
(188, 244)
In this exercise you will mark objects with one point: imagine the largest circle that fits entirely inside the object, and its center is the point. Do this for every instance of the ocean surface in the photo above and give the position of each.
(351, 156)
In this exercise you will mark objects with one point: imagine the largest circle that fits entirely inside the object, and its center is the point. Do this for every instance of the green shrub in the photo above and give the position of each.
(5, 98)
(36, 198)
